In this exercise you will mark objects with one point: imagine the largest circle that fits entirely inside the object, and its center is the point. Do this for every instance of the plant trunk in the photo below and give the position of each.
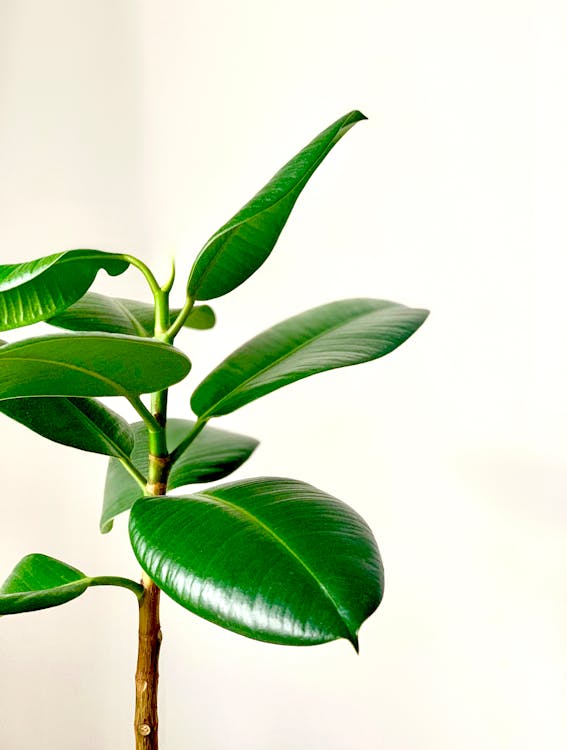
(149, 632)
(147, 675)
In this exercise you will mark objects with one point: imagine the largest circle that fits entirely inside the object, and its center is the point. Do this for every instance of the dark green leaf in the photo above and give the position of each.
(38, 582)
(341, 333)
(78, 422)
(34, 291)
(240, 247)
(272, 559)
(214, 454)
(88, 365)
(97, 312)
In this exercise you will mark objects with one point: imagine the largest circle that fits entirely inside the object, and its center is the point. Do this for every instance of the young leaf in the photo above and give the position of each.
(97, 312)
(341, 333)
(38, 582)
(88, 365)
(240, 247)
(273, 559)
(213, 455)
(34, 291)
(78, 422)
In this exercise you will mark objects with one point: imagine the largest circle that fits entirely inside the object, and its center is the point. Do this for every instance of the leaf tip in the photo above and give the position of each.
(424, 315)
(353, 117)
(353, 639)
(212, 316)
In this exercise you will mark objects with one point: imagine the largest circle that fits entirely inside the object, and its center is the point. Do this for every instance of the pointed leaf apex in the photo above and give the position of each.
(304, 345)
(358, 114)
(298, 567)
(242, 245)
(353, 639)
(39, 582)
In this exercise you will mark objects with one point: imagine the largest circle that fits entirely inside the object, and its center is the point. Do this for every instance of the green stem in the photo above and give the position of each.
(161, 299)
(125, 583)
(177, 324)
(134, 473)
(159, 399)
(186, 442)
(158, 448)
(150, 421)
(141, 266)
(169, 283)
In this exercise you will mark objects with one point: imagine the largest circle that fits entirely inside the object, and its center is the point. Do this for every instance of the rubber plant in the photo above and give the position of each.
(273, 559)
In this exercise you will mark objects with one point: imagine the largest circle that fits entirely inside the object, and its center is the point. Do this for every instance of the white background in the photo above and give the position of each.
(143, 126)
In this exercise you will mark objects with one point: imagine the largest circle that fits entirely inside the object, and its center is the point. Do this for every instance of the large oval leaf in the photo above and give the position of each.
(240, 247)
(38, 582)
(78, 422)
(88, 364)
(273, 559)
(213, 454)
(339, 334)
(34, 291)
(97, 312)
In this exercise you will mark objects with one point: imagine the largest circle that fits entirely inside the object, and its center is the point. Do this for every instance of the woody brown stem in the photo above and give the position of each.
(147, 674)
(149, 633)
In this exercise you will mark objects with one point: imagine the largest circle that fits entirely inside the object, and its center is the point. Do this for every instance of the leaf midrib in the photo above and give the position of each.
(90, 423)
(290, 353)
(60, 258)
(254, 520)
(35, 592)
(67, 365)
(233, 227)
(130, 315)
(122, 339)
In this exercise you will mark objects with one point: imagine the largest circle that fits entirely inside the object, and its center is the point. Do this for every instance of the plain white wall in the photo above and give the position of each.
(143, 126)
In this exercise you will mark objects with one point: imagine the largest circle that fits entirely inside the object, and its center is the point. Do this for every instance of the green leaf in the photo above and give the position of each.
(201, 317)
(78, 422)
(88, 364)
(37, 290)
(339, 334)
(97, 312)
(214, 454)
(273, 559)
(38, 582)
(240, 247)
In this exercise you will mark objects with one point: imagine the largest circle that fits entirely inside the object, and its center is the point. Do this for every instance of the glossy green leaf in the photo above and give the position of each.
(214, 454)
(339, 334)
(273, 559)
(38, 582)
(37, 290)
(240, 247)
(97, 312)
(78, 422)
(88, 364)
